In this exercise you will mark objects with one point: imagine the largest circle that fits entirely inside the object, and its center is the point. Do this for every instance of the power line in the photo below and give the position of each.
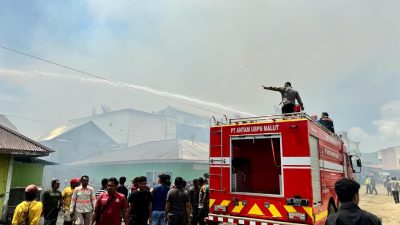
(33, 120)
(105, 79)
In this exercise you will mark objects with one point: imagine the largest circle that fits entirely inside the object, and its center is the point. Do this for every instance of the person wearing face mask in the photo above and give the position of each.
(110, 205)
(289, 97)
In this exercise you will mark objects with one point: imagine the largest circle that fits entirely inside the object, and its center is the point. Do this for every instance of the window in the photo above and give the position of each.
(256, 159)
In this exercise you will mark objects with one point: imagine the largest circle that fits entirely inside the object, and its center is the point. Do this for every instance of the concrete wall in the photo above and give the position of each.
(4, 167)
(26, 173)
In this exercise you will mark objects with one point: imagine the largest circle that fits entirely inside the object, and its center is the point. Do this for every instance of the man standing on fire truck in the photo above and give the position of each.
(289, 97)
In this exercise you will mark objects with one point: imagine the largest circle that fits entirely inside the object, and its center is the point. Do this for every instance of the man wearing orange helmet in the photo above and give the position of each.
(28, 211)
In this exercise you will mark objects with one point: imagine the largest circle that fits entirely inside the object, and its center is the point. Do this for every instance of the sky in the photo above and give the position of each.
(206, 57)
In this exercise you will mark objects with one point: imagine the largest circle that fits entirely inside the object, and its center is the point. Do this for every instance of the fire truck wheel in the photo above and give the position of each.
(331, 208)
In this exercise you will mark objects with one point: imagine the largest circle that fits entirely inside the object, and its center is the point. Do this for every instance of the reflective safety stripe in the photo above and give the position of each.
(321, 215)
(330, 165)
(238, 209)
(309, 212)
(255, 210)
(296, 161)
(289, 208)
(211, 202)
(225, 202)
(274, 211)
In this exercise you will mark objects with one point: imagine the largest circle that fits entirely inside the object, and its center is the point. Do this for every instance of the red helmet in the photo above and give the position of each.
(31, 189)
(74, 181)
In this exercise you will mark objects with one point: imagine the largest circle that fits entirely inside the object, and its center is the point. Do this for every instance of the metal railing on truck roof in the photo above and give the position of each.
(274, 118)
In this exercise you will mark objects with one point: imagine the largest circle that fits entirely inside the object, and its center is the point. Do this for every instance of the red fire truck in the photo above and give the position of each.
(277, 169)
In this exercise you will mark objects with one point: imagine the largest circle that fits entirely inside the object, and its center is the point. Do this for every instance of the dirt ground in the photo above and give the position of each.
(381, 205)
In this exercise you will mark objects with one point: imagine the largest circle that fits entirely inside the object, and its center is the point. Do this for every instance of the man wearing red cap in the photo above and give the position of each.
(66, 199)
(28, 211)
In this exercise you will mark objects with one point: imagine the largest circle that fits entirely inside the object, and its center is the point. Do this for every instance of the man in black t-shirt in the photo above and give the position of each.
(140, 204)
(51, 200)
(121, 188)
(350, 213)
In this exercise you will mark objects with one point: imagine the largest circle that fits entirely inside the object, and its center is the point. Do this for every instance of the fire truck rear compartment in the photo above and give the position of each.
(256, 164)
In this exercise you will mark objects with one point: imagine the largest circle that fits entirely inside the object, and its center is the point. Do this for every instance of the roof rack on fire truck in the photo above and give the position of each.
(223, 121)
(274, 118)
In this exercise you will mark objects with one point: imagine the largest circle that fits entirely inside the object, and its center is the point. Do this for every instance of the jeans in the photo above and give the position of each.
(157, 218)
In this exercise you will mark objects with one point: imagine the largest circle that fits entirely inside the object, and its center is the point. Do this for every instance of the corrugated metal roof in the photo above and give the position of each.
(155, 151)
(13, 142)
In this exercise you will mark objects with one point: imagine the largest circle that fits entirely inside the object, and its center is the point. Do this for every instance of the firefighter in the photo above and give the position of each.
(347, 191)
(289, 97)
(327, 122)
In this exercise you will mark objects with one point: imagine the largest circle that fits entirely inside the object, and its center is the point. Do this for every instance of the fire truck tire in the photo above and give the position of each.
(331, 207)
(212, 223)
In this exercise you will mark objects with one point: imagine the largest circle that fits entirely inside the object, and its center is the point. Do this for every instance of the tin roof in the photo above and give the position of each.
(155, 151)
(12, 142)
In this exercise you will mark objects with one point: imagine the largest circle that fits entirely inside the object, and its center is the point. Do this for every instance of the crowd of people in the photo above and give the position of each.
(114, 203)
(391, 184)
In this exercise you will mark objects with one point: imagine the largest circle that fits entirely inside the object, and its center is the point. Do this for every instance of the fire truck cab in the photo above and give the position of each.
(277, 169)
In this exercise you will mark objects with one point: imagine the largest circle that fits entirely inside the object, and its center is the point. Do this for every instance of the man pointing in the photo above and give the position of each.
(289, 97)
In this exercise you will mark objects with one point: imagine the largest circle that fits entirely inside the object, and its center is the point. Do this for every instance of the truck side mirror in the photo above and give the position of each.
(359, 163)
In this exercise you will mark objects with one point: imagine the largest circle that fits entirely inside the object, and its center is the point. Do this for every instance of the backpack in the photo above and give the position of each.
(25, 216)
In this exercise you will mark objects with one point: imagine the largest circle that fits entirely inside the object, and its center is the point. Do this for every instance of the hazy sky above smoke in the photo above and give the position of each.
(342, 56)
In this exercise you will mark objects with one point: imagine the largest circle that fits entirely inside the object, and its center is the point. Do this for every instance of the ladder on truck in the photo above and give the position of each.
(219, 160)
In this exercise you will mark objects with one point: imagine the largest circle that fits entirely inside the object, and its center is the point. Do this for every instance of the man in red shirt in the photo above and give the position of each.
(110, 206)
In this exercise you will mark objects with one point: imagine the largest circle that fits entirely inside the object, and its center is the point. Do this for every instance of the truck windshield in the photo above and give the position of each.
(256, 164)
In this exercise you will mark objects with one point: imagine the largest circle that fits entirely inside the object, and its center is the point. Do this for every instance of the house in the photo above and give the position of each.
(184, 158)
(19, 165)
(188, 126)
(129, 127)
(109, 132)
(389, 160)
(75, 141)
